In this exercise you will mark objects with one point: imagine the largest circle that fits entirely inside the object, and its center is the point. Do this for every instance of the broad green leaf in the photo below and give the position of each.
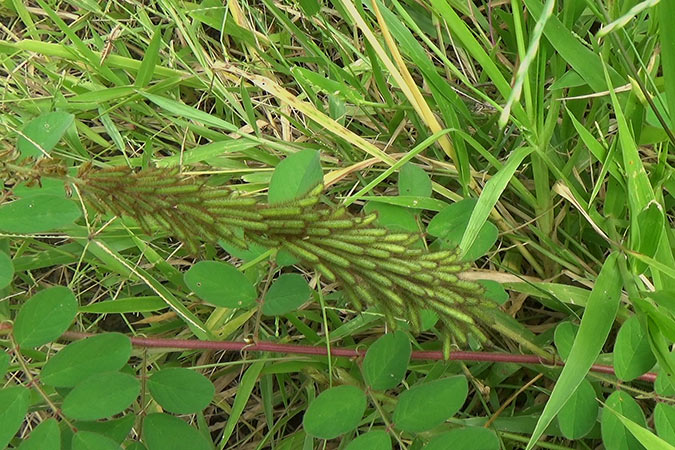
(4, 363)
(579, 415)
(615, 435)
(428, 405)
(563, 337)
(409, 201)
(451, 224)
(295, 176)
(648, 439)
(413, 181)
(6, 270)
(126, 305)
(664, 422)
(101, 395)
(474, 228)
(387, 360)
(164, 432)
(473, 438)
(81, 359)
(40, 135)
(284, 258)
(86, 440)
(45, 316)
(632, 354)
(14, 406)
(46, 436)
(287, 293)
(334, 412)
(116, 429)
(181, 391)
(38, 214)
(310, 7)
(47, 186)
(494, 291)
(373, 440)
(220, 284)
(596, 323)
(396, 218)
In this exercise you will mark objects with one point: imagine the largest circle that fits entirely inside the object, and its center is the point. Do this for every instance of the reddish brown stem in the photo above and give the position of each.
(264, 346)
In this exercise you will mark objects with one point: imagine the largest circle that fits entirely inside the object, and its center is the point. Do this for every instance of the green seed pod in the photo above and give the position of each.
(178, 189)
(337, 244)
(246, 224)
(325, 272)
(301, 253)
(280, 212)
(329, 256)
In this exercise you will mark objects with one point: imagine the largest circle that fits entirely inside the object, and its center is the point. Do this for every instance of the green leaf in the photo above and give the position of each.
(387, 360)
(220, 284)
(664, 422)
(632, 354)
(473, 438)
(579, 415)
(126, 305)
(86, 440)
(494, 291)
(396, 218)
(244, 390)
(563, 337)
(413, 181)
(451, 223)
(428, 405)
(45, 316)
(164, 432)
(334, 412)
(81, 359)
(295, 176)
(287, 293)
(181, 391)
(6, 270)
(40, 135)
(147, 68)
(310, 7)
(614, 433)
(373, 440)
(650, 224)
(14, 406)
(38, 214)
(4, 363)
(46, 436)
(596, 323)
(116, 429)
(101, 395)
(475, 226)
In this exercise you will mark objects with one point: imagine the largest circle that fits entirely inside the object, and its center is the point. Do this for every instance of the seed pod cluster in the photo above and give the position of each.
(374, 266)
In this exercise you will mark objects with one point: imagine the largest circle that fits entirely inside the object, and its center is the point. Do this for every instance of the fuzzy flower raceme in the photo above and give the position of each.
(373, 265)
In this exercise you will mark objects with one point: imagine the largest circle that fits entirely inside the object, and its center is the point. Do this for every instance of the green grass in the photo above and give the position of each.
(553, 117)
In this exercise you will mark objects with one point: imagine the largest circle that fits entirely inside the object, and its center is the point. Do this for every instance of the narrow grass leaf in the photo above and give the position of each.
(427, 405)
(596, 323)
(244, 390)
(45, 316)
(666, 12)
(616, 434)
(165, 432)
(147, 68)
(334, 412)
(126, 305)
(489, 198)
(81, 359)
